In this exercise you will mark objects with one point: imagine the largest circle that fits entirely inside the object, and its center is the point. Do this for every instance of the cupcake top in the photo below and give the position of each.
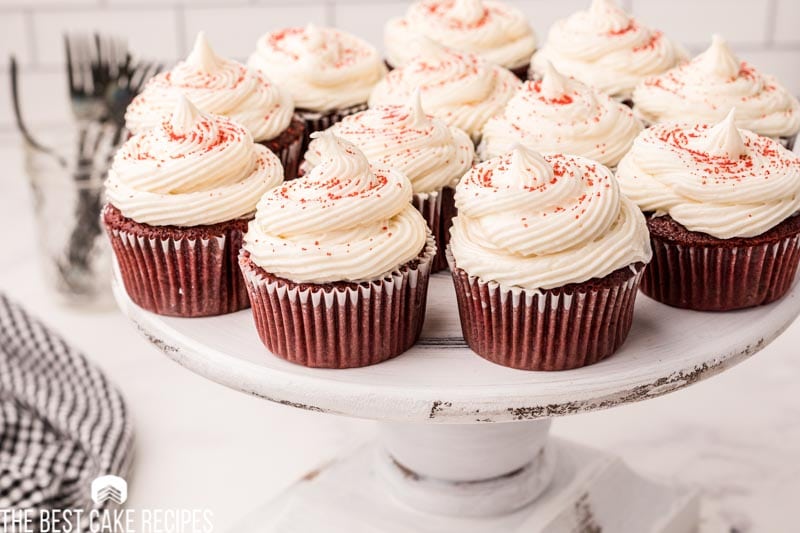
(495, 31)
(457, 87)
(705, 89)
(343, 221)
(429, 152)
(193, 169)
(324, 69)
(541, 222)
(608, 49)
(719, 180)
(559, 114)
(215, 85)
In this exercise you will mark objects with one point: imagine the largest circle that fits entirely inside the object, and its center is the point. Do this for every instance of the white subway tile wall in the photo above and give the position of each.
(764, 32)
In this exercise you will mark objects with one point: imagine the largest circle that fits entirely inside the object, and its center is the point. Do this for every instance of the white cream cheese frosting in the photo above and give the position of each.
(541, 222)
(560, 114)
(343, 221)
(194, 169)
(719, 180)
(496, 31)
(606, 48)
(430, 153)
(215, 85)
(458, 87)
(710, 85)
(324, 69)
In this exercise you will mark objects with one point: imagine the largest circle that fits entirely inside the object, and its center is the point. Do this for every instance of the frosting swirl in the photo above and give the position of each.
(608, 49)
(457, 87)
(559, 114)
(323, 68)
(343, 221)
(430, 153)
(541, 222)
(215, 85)
(710, 85)
(497, 32)
(194, 169)
(719, 180)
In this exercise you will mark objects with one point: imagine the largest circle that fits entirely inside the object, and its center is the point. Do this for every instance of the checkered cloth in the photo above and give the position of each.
(61, 423)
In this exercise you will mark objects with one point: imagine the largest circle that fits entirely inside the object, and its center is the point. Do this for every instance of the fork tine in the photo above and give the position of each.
(70, 65)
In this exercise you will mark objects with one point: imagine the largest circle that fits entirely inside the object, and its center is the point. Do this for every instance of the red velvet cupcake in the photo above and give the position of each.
(546, 255)
(430, 153)
(179, 198)
(328, 72)
(337, 263)
(228, 88)
(723, 205)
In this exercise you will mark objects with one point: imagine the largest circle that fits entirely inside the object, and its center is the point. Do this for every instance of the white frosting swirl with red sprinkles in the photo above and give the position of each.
(458, 87)
(496, 31)
(719, 180)
(429, 152)
(343, 221)
(710, 85)
(559, 114)
(608, 49)
(541, 222)
(324, 69)
(194, 169)
(215, 85)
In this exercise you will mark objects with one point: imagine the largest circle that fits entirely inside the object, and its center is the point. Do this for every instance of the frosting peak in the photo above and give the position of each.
(527, 168)
(724, 139)
(184, 117)
(203, 56)
(470, 11)
(554, 85)
(416, 115)
(339, 159)
(608, 16)
(718, 59)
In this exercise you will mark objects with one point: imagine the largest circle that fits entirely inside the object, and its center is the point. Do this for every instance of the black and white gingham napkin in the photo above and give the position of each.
(61, 423)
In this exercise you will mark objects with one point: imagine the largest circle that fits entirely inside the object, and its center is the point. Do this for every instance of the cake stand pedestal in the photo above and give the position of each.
(463, 443)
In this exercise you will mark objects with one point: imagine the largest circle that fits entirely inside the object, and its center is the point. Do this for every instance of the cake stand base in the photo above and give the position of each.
(590, 491)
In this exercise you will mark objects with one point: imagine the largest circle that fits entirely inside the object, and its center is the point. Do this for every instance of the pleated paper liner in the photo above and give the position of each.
(322, 120)
(549, 329)
(288, 146)
(342, 324)
(438, 208)
(696, 271)
(184, 272)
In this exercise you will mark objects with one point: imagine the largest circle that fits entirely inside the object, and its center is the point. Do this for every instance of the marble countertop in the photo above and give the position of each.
(735, 437)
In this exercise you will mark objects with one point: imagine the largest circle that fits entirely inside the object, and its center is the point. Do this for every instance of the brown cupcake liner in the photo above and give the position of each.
(288, 146)
(340, 325)
(319, 121)
(438, 209)
(549, 329)
(720, 278)
(185, 272)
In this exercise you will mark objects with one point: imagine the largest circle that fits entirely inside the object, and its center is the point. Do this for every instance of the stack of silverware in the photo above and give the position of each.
(103, 78)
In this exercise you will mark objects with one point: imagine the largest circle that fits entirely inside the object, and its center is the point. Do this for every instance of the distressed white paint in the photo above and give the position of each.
(591, 491)
(440, 380)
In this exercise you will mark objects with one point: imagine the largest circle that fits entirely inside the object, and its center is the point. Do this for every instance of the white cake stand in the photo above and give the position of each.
(464, 443)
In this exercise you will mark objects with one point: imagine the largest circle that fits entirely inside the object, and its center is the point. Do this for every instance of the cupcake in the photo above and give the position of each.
(223, 87)
(559, 114)
(179, 198)
(328, 72)
(496, 31)
(458, 87)
(337, 263)
(608, 49)
(546, 255)
(704, 91)
(722, 205)
(431, 154)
